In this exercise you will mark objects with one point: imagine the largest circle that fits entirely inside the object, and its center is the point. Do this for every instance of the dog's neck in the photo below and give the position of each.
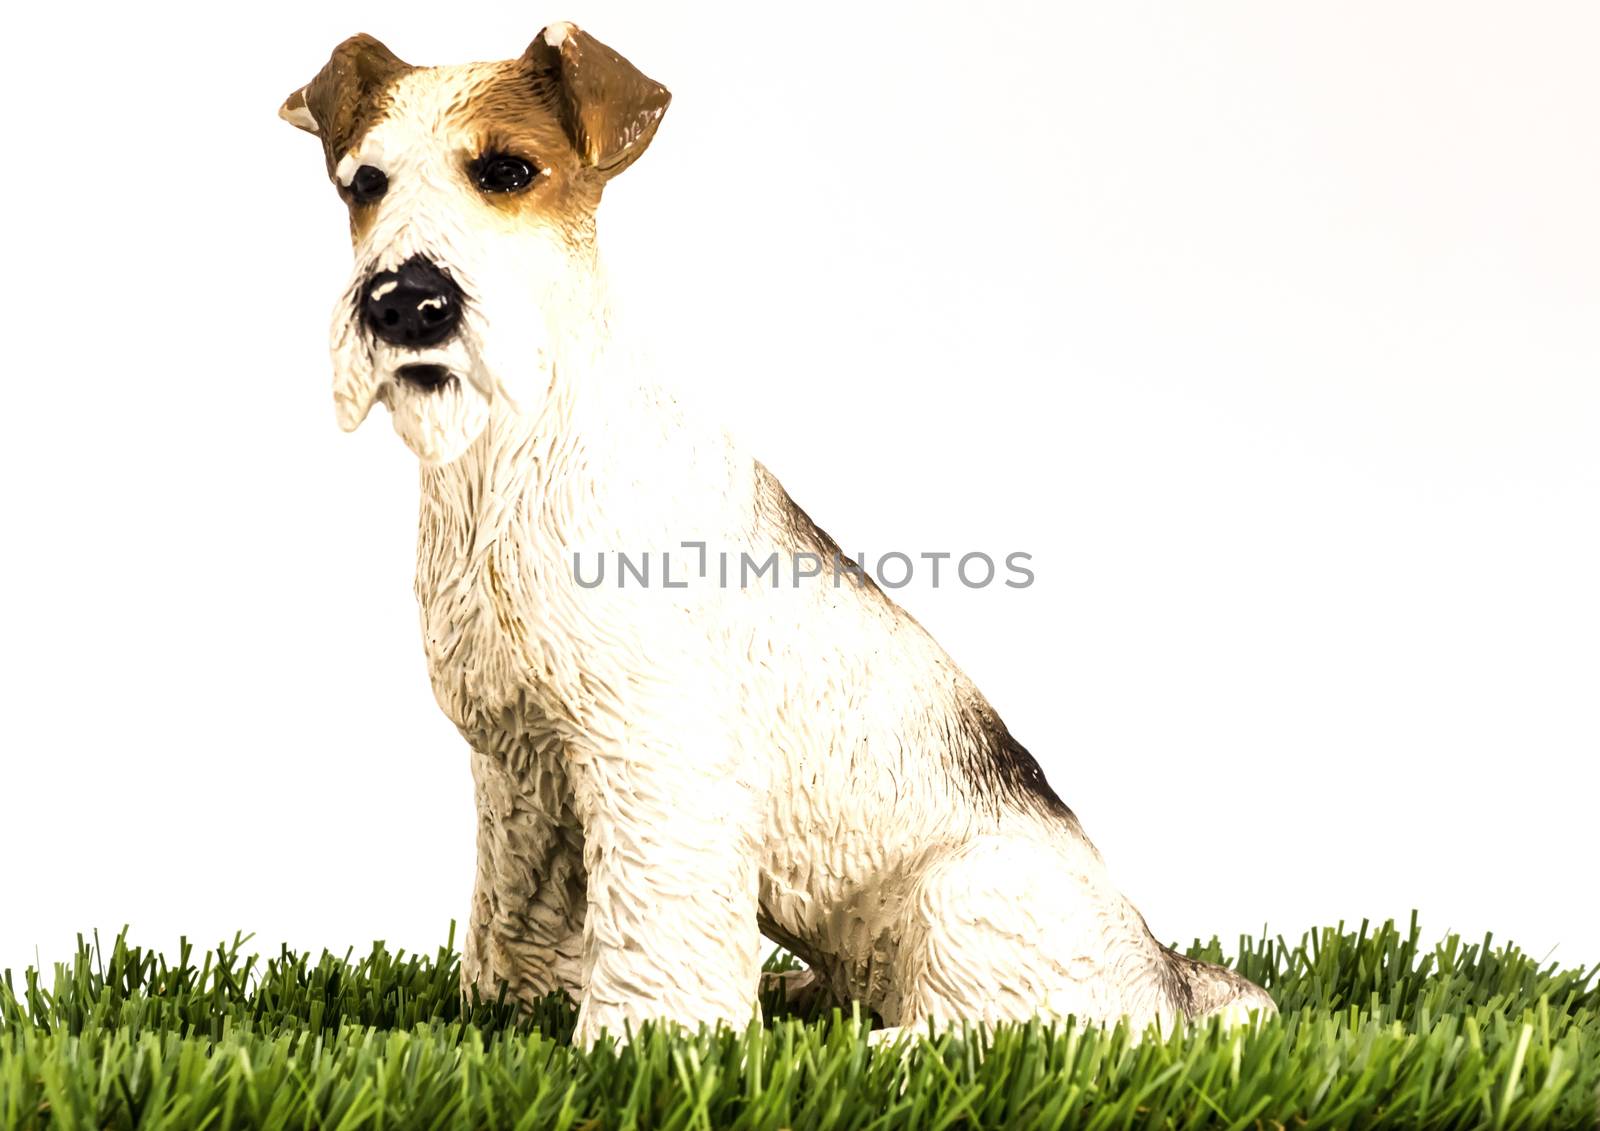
(515, 462)
(605, 460)
(593, 424)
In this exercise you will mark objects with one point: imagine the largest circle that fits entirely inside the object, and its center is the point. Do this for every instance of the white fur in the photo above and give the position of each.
(345, 171)
(661, 772)
(299, 116)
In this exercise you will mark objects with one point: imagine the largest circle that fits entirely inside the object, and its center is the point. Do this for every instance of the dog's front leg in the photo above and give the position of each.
(671, 850)
(528, 899)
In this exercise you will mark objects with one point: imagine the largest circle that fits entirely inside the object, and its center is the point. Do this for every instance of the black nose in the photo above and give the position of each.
(415, 306)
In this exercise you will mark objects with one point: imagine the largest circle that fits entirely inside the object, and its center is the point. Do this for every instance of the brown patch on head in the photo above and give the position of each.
(573, 108)
(518, 112)
(346, 97)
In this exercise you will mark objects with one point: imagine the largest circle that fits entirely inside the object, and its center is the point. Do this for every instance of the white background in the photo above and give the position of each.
(1269, 330)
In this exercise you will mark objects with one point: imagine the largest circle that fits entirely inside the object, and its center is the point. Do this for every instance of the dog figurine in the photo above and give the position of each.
(666, 772)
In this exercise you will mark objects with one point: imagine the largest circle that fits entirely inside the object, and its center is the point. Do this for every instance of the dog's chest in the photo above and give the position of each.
(484, 652)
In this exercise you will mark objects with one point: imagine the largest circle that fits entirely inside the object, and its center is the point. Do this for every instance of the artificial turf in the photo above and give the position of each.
(1375, 1031)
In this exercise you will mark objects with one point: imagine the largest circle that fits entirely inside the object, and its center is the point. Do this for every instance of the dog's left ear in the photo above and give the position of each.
(609, 109)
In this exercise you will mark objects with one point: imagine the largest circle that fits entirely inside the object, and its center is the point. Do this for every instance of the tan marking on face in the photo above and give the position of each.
(363, 214)
(440, 121)
(516, 111)
(362, 217)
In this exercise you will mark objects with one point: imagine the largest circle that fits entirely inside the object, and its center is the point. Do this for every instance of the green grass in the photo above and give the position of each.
(1375, 1032)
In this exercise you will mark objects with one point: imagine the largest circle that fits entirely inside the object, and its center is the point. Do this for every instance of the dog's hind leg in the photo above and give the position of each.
(1011, 927)
(1216, 991)
(526, 927)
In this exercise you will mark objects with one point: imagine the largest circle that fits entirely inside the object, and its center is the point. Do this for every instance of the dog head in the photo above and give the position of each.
(472, 192)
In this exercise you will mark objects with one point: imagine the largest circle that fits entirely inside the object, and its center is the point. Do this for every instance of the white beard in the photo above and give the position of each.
(502, 354)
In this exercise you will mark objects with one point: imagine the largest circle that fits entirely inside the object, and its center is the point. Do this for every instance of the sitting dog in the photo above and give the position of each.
(666, 772)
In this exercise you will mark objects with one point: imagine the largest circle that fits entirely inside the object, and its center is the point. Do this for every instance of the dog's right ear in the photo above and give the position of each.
(346, 96)
(609, 108)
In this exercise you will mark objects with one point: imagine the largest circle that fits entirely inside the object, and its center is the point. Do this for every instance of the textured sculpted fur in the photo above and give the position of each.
(665, 772)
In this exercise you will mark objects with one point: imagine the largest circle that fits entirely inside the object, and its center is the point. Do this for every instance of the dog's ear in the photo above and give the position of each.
(610, 109)
(340, 103)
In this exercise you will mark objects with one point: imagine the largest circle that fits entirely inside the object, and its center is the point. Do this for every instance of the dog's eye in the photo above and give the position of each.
(369, 183)
(500, 172)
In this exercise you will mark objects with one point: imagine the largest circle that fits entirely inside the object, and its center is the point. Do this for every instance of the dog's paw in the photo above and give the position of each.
(794, 985)
(892, 1037)
(803, 993)
(1244, 1012)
